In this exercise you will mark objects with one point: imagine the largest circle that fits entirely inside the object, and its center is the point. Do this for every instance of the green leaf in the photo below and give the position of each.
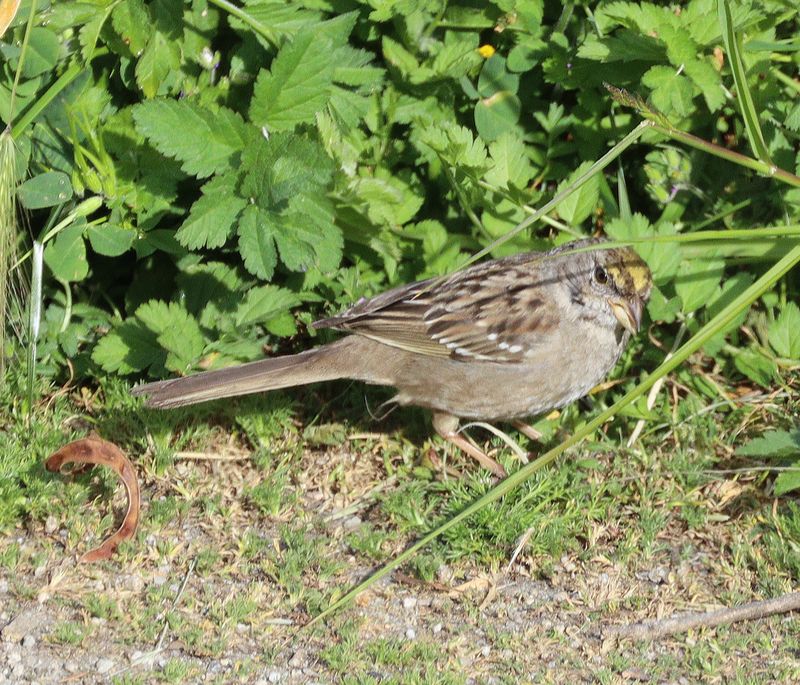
(43, 51)
(66, 255)
(497, 114)
(45, 190)
(662, 309)
(756, 366)
(131, 20)
(298, 84)
(256, 244)
(176, 331)
(786, 481)
(110, 240)
(671, 92)
(205, 141)
(580, 204)
(784, 332)
(160, 56)
(775, 443)
(697, 281)
(129, 348)
(494, 77)
(212, 217)
(264, 303)
(511, 164)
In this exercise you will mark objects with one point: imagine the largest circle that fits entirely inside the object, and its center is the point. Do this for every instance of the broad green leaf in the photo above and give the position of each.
(66, 255)
(784, 332)
(255, 242)
(787, 481)
(671, 92)
(43, 51)
(580, 204)
(213, 216)
(497, 114)
(495, 77)
(510, 163)
(45, 190)
(203, 140)
(775, 443)
(697, 280)
(755, 366)
(129, 348)
(264, 303)
(177, 332)
(160, 56)
(297, 85)
(110, 240)
(131, 20)
(662, 309)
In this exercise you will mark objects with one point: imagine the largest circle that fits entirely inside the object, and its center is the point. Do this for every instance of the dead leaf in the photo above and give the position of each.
(8, 10)
(103, 453)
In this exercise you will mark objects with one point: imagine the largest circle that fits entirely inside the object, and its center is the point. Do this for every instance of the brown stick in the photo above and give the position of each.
(103, 453)
(648, 630)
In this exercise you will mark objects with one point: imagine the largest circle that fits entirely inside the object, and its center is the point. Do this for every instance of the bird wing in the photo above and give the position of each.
(489, 312)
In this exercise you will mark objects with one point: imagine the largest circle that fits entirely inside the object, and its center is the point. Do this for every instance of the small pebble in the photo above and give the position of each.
(104, 665)
(51, 525)
(486, 650)
(352, 523)
(28, 641)
(411, 634)
(274, 677)
(409, 602)
(437, 628)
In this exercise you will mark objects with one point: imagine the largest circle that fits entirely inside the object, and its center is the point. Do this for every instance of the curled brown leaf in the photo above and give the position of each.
(103, 453)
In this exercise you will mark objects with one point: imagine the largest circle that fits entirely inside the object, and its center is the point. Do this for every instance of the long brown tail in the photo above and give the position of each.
(326, 363)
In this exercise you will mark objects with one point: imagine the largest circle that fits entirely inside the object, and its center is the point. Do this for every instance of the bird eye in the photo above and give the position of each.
(600, 275)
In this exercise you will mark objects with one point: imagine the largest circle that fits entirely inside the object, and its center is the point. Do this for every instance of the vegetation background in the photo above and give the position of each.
(197, 182)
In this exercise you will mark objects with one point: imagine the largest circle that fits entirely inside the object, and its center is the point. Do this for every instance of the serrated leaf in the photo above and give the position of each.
(510, 163)
(775, 443)
(787, 481)
(306, 235)
(697, 280)
(66, 255)
(129, 348)
(784, 332)
(131, 20)
(671, 92)
(43, 51)
(176, 331)
(264, 303)
(212, 217)
(256, 244)
(755, 366)
(297, 85)
(580, 204)
(160, 56)
(205, 141)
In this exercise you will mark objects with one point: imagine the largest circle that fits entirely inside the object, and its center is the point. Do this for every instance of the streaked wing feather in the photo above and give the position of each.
(487, 312)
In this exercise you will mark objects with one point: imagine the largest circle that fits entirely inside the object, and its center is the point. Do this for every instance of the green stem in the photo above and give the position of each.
(717, 324)
(23, 51)
(730, 155)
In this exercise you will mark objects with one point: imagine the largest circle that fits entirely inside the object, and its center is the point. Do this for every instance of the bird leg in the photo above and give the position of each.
(446, 425)
(527, 430)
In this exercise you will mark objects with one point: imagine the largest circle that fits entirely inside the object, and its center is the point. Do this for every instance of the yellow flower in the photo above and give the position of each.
(486, 51)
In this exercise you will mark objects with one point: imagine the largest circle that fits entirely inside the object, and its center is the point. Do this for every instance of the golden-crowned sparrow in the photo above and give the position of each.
(499, 340)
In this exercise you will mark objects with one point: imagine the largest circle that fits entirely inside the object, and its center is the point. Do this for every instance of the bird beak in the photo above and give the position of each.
(628, 313)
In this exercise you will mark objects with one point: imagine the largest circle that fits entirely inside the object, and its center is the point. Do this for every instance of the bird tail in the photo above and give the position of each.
(326, 363)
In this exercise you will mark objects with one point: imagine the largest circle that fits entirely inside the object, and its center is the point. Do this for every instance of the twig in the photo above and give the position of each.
(648, 630)
(207, 456)
(175, 601)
